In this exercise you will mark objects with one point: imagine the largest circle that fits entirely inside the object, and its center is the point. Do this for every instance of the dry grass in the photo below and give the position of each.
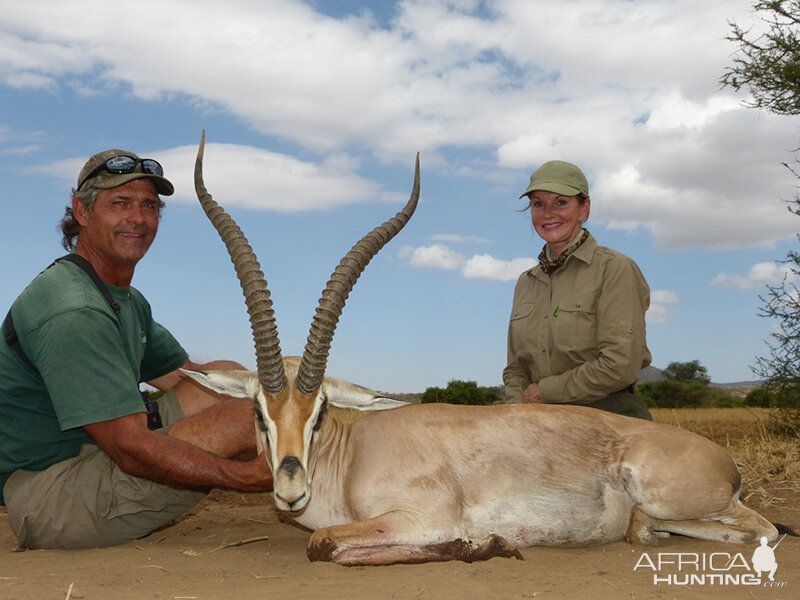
(770, 465)
(725, 426)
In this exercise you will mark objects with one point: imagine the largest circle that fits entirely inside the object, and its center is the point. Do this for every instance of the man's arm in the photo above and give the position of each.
(171, 379)
(166, 459)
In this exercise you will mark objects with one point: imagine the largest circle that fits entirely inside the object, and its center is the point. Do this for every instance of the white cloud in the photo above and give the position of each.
(480, 266)
(760, 274)
(664, 148)
(18, 143)
(484, 266)
(254, 178)
(21, 150)
(662, 305)
(436, 256)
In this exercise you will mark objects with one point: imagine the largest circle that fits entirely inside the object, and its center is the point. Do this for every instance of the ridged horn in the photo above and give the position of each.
(271, 373)
(334, 296)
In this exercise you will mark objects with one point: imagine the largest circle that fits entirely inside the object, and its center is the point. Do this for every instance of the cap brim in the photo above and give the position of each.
(107, 181)
(555, 187)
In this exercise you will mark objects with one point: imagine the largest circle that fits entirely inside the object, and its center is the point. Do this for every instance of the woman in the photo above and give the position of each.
(577, 329)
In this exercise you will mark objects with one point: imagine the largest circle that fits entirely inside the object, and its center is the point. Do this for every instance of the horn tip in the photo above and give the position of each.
(202, 147)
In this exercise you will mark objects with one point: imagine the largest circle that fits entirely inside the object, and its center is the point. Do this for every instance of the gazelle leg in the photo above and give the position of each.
(641, 529)
(392, 538)
(739, 525)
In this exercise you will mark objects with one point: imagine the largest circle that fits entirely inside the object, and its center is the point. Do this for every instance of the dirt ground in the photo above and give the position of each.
(200, 558)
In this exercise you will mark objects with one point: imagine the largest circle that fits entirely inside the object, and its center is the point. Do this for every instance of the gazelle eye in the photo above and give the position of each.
(260, 419)
(322, 411)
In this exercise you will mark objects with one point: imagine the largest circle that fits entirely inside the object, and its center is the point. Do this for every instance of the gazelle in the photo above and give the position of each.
(436, 482)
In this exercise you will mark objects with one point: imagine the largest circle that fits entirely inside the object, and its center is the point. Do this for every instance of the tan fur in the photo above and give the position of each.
(438, 482)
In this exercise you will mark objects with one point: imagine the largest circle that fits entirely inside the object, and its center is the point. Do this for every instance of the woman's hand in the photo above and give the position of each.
(531, 395)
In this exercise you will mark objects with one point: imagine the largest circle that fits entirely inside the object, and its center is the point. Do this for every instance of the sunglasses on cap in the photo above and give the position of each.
(124, 164)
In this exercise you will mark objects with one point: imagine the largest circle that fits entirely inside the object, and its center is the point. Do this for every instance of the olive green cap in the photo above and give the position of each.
(559, 177)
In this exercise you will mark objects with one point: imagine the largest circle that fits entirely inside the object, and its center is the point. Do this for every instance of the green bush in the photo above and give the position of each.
(784, 418)
(461, 392)
(784, 421)
(767, 397)
(759, 397)
(719, 398)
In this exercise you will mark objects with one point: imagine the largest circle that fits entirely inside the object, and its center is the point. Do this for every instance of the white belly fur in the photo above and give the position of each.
(555, 520)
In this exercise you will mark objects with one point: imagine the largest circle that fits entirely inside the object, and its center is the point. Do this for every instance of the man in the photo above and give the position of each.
(79, 465)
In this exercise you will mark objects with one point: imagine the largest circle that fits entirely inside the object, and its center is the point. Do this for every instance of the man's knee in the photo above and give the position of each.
(87, 502)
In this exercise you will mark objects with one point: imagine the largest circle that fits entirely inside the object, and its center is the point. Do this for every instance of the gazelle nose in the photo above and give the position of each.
(290, 483)
(290, 465)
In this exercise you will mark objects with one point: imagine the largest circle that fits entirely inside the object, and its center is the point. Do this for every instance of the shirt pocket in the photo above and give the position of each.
(575, 326)
(522, 311)
(522, 331)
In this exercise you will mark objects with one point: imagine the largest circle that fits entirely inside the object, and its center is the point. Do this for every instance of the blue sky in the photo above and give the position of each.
(314, 112)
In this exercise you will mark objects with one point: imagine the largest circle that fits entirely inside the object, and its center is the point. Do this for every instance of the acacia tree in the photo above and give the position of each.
(687, 372)
(767, 64)
(461, 392)
(781, 369)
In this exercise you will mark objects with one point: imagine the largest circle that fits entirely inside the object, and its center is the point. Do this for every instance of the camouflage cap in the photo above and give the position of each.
(559, 177)
(104, 179)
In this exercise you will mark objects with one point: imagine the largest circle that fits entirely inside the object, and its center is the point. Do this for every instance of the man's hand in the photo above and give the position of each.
(261, 475)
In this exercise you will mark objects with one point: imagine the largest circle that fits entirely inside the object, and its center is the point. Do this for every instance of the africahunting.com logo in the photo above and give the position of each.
(715, 568)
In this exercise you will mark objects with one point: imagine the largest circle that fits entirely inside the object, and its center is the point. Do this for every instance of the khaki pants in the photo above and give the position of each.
(88, 502)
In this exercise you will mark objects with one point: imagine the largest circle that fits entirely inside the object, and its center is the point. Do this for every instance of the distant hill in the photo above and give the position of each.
(739, 389)
(651, 374)
(655, 374)
(739, 384)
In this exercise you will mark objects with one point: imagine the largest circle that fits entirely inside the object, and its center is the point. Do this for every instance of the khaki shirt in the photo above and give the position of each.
(580, 331)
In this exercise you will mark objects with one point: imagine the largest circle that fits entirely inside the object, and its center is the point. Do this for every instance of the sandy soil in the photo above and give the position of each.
(202, 557)
(196, 558)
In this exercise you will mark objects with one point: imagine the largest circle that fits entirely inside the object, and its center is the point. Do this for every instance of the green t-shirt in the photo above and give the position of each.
(90, 365)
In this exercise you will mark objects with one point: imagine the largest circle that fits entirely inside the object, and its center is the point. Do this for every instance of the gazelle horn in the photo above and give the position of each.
(271, 373)
(334, 296)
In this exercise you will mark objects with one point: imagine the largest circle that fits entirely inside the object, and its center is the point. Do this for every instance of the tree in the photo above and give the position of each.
(781, 368)
(461, 392)
(759, 397)
(768, 61)
(685, 385)
(768, 65)
(672, 394)
(687, 372)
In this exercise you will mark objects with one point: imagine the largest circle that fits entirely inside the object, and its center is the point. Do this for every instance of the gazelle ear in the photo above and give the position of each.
(348, 395)
(238, 384)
